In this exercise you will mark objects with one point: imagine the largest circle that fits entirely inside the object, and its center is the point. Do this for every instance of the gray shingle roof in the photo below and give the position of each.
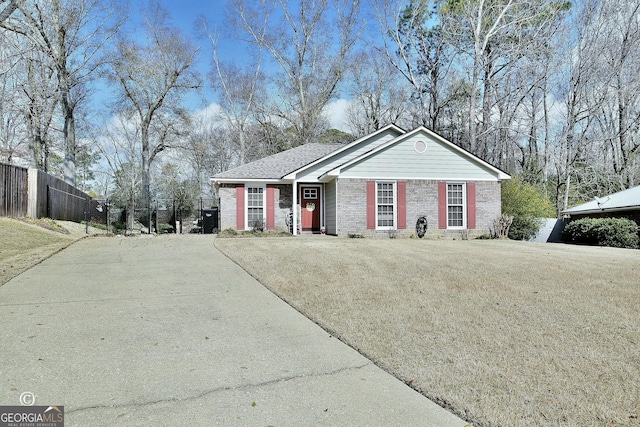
(623, 200)
(278, 165)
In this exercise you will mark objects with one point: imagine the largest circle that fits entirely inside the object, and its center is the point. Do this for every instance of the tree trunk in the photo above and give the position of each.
(69, 132)
(146, 178)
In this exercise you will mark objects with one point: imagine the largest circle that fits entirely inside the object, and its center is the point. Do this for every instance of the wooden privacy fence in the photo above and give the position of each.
(53, 198)
(37, 194)
(13, 190)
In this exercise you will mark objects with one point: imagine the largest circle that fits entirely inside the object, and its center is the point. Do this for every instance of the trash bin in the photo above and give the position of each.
(210, 221)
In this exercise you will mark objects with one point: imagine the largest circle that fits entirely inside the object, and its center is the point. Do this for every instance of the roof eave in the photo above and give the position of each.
(292, 175)
(602, 210)
(243, 180)
(500, 175)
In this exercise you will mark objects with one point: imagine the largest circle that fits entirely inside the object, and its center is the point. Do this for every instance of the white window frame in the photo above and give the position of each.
(247, 224)
(315, 190)
(395, 206)
(463, 205)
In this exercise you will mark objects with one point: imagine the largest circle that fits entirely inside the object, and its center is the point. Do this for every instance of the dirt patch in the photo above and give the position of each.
(503, 333)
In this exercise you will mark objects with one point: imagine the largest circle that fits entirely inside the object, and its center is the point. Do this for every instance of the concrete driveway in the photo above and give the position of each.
(167, 331)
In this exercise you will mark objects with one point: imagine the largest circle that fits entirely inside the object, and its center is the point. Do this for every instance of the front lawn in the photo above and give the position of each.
(501, 333)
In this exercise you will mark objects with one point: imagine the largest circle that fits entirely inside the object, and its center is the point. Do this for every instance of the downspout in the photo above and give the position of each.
(294, 208)
(336, 203)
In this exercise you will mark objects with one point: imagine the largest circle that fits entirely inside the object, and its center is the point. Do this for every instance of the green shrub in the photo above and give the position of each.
(526, 204)
(614, 232)
(523, 228)
(164, 228)
(118, 226)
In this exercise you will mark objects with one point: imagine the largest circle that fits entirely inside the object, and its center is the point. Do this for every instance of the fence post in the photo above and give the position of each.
(49, 203)
(87, 215)
(32, 193)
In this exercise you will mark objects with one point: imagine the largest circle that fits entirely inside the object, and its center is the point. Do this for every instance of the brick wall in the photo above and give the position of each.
(352, 206)
(488, 204)
(283, 195)
(422, 200)
(227, 193)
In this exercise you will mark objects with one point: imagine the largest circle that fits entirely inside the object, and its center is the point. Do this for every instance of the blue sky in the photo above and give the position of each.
(184, 16)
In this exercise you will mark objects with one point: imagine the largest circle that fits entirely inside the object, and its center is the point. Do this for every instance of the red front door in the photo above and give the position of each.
(310, 206)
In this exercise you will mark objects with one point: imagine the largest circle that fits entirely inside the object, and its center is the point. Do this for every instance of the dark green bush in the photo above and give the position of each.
(614, 232)
(164, 228)
(118, 226)
(523, 228)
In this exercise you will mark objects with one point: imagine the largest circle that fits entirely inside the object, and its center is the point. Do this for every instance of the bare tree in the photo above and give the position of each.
(151, 80)
(7, 7)
(208, 150)
(240, 89)
(119, 144)
(377, 96)
(12, 136)
(580, 75)
(310, 41)
(419, 51)
(71, 34)
(40, 105)
(27, 101)
(495, 34)
(619, 114)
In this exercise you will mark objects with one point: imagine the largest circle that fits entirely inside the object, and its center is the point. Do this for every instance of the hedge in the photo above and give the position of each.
(614, 232)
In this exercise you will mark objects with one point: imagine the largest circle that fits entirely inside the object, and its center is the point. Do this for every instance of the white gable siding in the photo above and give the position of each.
(312, 174)
(402, 161)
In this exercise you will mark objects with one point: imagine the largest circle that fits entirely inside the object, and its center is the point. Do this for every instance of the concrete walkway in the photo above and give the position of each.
(167, 331)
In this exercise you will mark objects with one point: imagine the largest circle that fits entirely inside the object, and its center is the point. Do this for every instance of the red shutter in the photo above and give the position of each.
(240, 207)
(442, 204)
(471, 205)
(402, 205)
(271, 211)
(371, 205)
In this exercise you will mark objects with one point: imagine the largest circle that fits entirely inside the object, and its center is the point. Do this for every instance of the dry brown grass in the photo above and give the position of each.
(24, 243)
(502, 333)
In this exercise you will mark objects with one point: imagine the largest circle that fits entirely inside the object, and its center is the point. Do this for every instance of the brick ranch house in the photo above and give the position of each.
(378, 185)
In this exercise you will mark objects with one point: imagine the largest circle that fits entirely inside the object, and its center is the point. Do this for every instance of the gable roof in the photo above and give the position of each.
(464, 153)
(330, 159)
(621, 201)
(276, 166)
(352, 148)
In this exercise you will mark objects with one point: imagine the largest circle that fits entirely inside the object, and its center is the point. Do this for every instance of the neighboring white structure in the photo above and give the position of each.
(626, 201)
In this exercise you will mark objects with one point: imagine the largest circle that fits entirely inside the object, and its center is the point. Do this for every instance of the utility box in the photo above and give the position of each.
(210, 221)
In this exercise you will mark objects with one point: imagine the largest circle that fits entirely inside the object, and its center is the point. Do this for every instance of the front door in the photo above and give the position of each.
(310, 206)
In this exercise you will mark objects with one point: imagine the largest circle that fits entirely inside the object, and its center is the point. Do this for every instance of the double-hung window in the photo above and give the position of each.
(255, 207)
(456, 202)
(386, 209)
